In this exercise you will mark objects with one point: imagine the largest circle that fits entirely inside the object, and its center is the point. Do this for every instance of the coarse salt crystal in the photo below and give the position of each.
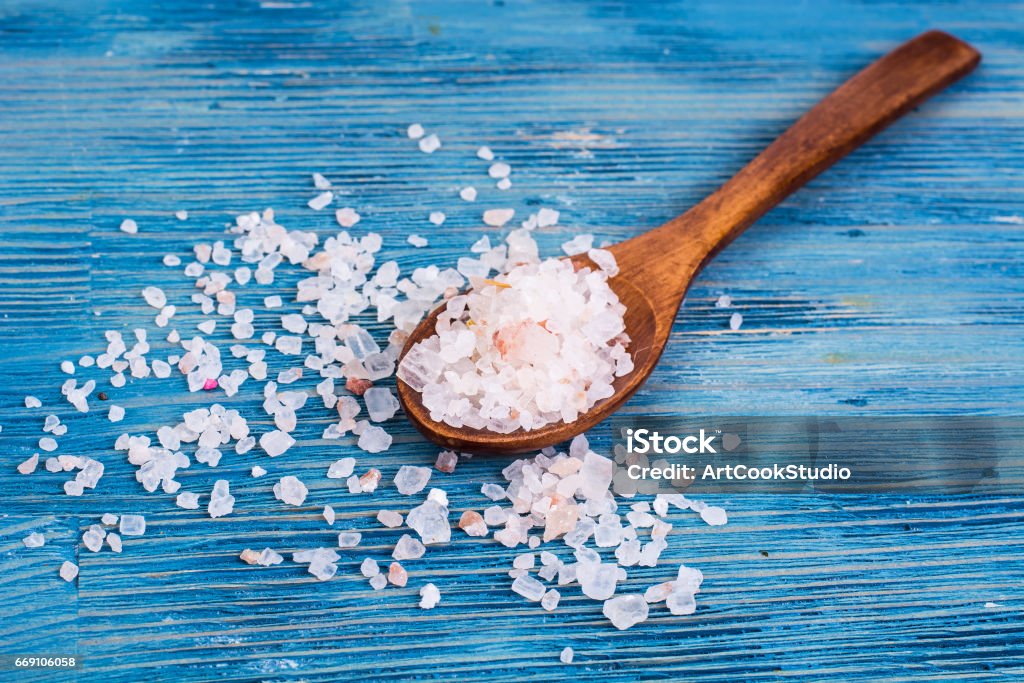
(485, 153)
(437, 217)
(129, 226)
(68, 571)
(430, 144)
(320, 201)
(429, 596)
(498, 217)
(346, 217)
(415, 131)
(468, 194)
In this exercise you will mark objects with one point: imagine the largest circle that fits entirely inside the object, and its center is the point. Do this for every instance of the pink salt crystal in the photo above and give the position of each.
(368, 482)
(561, 517)
(397, 575)
(446, 461)
(472, 523)
(358, 386)
(249, 556)
(209, 385)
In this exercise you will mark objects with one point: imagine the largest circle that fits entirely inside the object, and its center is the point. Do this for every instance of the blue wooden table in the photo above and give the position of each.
(891, 285)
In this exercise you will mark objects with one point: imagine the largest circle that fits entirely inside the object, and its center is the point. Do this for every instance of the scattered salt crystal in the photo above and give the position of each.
(67, 367)
(329, 515)
(626, 611)
(381, 404)
(29, 465)
(417, 241)
(499, 169)
(724, 301)
(109, 519)
(221, 501)
(437, 217)
(155, 297)
(369, 568)
(485, 153)
(550, 600)
(68, 571)
(115, 543)
(430, 144)
(430, 521)
(181, 215)
(390, 518)
(346, 217)
(446, 461)
(272, 301)
(429, 596)
(349, 539)
(493, 491)
(290, 490)
(341, 469)
(132, 525)
(276, 442)
(378, 581)
(129, 226)
(408, 548)
(397, 576)
(320, 201)
(187, 500)
(268, 557)
(503, 184)
(34, 540)
(320, 182)
(32, 402)
(714, 515)
(373, 439)
(529, 587)
(116, 414)
(735, 321)
(415, 131)
(468, 194)
(580, 244)
(547, 217)
(498, 217)
(48, 444)
(257, 471)
(566, 656)
(411, 479)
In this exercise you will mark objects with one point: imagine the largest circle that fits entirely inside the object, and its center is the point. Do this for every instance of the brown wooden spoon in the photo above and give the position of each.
(657, 267)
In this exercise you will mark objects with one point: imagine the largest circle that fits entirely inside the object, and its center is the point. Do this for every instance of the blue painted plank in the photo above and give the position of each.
(890, 285)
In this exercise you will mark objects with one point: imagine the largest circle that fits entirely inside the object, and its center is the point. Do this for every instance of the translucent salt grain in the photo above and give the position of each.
(529, 587)
(473, 524)
(276, 442)
(32, 402)
(430, 521)
(221, 501)
(381, 404)
(329, 515)
(580, 244)
(626, 611)
(485, 153)
(415, 131)
(547, 217)
(68, 571)
(67, 367)
(155, 297)
(132, 525)
(34, 540)
(374, 439)
(429, 596)
(498, 217)
(714, 515)
(290, 490)
(724, 301)
(48, 444)
(411, 479)
(499, 169)
(116, 414)
(503, 184)
(272, 301)
(369, 568)
(109, 519)
(397, 576)
(437, 217)
(181, 215)
(129, 226)
(341, 469)
(417, 241)
(349, 539)
(369, 481)
(320, 201)
(257, 471)
(550, 600)
(268, 558)
(566, 656)
(408, 548)
(378, 581)
(430, 144)
(115, 542)
(187, 500)
(390, 518)
(468, 194)
(735, 321)
(446, 461)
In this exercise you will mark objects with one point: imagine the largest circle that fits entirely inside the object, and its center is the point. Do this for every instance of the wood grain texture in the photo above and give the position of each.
(891, 284)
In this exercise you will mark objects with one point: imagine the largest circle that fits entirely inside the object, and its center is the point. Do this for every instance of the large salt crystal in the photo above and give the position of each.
(626, 611)
(341, 469)
(429, 596)
(430, 521)
(68, 571)
(132, 525)
(373, 439)
(290, 490)
(390, 518)
(596, 475)
(276, 442)
(411, 479)
(529, 587)
(597, 580)
(221, 501)
(381, 404)
(369, 568)
(473, 524)
(34, 540)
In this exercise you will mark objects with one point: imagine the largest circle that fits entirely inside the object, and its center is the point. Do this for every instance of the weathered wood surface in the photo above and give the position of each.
(890, 285)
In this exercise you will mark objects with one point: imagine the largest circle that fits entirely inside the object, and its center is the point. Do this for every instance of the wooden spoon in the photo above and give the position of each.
(657, 267)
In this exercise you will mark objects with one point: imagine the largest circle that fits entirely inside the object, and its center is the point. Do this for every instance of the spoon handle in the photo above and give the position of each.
(861, 107)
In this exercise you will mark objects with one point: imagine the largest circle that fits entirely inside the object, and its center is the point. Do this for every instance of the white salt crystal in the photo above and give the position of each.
(369, 568)
(320, 182)
(115, 543)
(550, 600)
(437, 217)
(446, 461)
(724, 301)
(349, 539)
(276, 442)
(580, 244)
(272, 301)
(529, 587)
(109, 519)
(378, 581)
(34, 540)
(626, 611)
(320, 201)
(181, 215)
(48, 444)
(408, 548)
(503, 184)
(430, 521)
(155, 297)
(499, 169)
(341, 469)
(417, 241)
(132, 525)
(187, 500)
(546, 218)
(68, 571)
(129, 226)
(116, 413)
(346, 217)
(411, 479)
(329, 515)
(485, 153)
(290, 490)
(390, 518)
(498, 217)
(429, 596)
(32, 402)
(268, 558)
(566, 656)
(468, 194)
(373, 439)
(714, 515)
(735, 321)
(67, 367)
(381, 404)
(430, 144)
(221, 501)
(257, 471)
(415, 131)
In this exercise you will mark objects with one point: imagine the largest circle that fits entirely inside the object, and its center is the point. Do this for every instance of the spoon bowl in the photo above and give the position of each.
(657, 267)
